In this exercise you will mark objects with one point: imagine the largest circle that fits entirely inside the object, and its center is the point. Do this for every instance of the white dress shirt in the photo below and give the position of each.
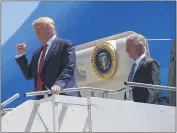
(138, 62)
(49, 43)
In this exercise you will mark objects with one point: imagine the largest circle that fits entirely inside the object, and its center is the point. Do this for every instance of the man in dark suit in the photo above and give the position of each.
(53, 64)
(144, 70)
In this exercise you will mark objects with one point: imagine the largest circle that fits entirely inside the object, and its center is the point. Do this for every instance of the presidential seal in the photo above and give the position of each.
(104, 60)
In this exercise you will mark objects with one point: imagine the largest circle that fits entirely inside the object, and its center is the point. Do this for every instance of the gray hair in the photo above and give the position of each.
(139, 40)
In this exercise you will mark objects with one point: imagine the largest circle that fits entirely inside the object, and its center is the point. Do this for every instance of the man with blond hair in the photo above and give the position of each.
(144, 70)
(53, 64)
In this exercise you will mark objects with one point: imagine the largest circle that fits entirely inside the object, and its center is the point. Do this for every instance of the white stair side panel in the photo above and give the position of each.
(128, 116)
(16, 120)
(76, 114)
(108, 115)
(75, 119)
(45, 111)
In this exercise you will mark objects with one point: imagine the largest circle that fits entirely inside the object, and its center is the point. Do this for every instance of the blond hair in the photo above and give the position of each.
(44, 20)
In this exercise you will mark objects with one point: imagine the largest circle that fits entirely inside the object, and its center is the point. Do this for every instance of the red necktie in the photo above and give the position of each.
(41, 63)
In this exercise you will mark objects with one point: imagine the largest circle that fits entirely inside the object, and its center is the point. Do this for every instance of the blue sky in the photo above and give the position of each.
(13, 18)
(13, 15)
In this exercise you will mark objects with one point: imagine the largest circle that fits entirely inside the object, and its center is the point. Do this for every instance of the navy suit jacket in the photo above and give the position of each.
(148, 72)
(58, 69)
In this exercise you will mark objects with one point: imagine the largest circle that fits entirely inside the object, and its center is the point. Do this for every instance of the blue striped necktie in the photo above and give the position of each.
(130, 78)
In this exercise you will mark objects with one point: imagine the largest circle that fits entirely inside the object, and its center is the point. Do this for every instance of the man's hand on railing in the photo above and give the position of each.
(56, 89)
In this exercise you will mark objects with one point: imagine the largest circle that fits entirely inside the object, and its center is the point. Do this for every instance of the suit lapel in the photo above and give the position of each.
(140, 64)
(49, 53)
(37, 55)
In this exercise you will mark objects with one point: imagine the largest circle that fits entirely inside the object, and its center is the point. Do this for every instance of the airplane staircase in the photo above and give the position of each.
(60, 113)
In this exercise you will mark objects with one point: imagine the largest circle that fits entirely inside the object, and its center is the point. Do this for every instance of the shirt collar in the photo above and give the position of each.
(139, 59)
(51, 40)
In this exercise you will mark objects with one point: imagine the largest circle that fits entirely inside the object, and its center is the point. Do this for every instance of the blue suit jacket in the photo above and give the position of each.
(58, 69)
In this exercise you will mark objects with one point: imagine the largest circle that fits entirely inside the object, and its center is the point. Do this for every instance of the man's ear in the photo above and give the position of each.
(54, 30)
(140, 47)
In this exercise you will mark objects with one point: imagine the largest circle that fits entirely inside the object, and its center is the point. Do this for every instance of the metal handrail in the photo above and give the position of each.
(11, 99)
(135, 84)
(74, 90)
(8, 109)
(126, 83)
